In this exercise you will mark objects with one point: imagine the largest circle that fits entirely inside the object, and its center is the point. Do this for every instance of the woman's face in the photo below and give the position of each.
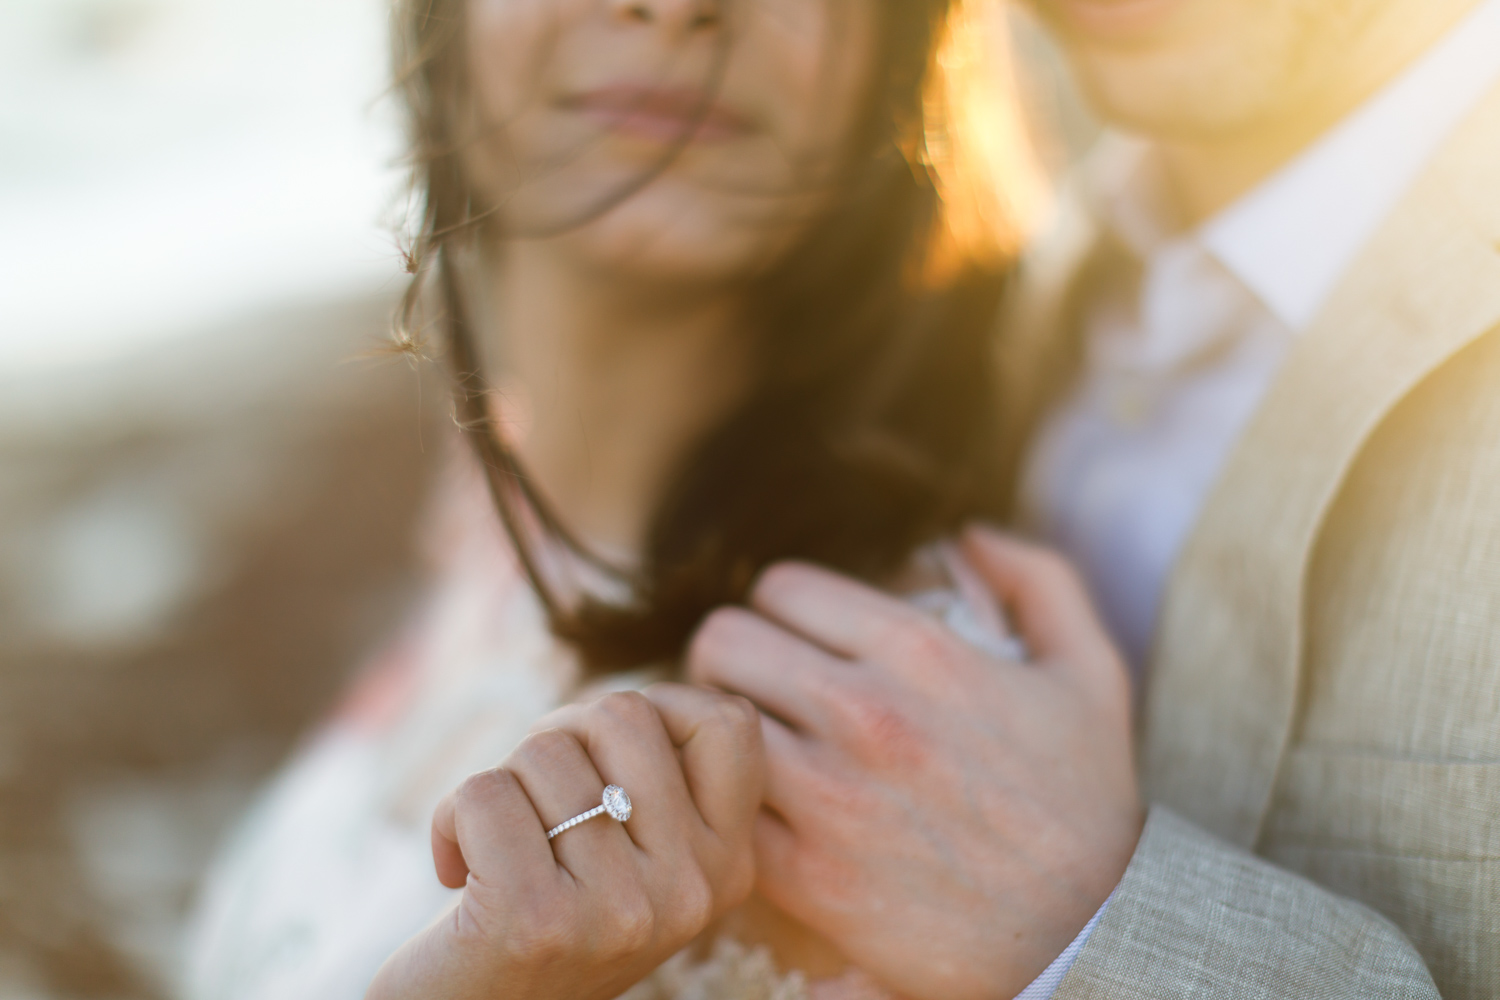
(678, 140)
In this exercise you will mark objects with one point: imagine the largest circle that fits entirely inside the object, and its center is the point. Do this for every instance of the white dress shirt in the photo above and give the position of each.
(1176, 362)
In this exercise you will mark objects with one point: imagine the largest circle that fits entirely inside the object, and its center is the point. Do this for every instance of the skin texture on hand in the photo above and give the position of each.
(594, 910)
(949, 820)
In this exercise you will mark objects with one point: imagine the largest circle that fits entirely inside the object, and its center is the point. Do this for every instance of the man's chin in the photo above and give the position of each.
(1167, 95)
(1110, 22)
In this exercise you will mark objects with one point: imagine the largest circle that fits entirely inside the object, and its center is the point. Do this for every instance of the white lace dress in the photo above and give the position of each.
(331, 871)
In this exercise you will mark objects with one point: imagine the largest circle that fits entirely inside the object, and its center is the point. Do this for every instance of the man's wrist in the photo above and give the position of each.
(1110, 859)
(1044, 985)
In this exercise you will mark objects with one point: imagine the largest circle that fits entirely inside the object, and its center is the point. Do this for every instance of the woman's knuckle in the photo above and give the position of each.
(484, 786)
(694, 902)
(546, 747)
(556, 719)
(630, 708)
(738, 879)
(736, 714)
(632, 922)
(548, 934)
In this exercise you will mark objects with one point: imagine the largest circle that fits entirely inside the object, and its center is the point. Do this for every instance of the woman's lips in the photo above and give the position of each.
(1120, 19)
(660, 114)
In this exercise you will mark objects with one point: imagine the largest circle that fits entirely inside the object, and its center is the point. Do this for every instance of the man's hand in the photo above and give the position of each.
(589, 913)
(948, 819)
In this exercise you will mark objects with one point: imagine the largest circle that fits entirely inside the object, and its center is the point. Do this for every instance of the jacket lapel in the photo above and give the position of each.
(1224, 680)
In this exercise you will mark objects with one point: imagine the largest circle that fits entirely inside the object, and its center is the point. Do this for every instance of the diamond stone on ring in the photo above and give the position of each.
(616, 803)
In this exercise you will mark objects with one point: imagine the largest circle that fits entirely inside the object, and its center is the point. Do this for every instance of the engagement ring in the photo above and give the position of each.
(616, 803)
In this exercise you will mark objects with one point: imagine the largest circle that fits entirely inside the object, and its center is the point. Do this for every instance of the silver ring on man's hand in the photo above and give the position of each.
(616, 803)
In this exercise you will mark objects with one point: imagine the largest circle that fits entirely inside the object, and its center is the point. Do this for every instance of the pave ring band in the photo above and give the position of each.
(616, 803)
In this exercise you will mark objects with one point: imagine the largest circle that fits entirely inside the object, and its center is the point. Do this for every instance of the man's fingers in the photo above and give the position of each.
(741, 652)
(723, 760)
(787, 875)
(775, 862)
(844, 616)
(788, 764)
(1051, 606)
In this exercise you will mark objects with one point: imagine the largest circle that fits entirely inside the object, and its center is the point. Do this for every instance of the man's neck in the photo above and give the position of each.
(1208, 174)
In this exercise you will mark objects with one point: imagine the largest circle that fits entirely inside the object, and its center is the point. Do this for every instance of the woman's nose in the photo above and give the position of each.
(670, 15)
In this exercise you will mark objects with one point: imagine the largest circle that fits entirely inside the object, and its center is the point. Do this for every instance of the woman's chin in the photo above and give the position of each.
(660, 256)
(661, 236)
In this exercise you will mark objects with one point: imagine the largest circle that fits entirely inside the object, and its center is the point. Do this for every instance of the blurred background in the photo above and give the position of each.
(205, 489)
(207, 484)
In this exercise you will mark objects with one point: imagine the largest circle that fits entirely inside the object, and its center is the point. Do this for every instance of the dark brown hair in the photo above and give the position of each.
(870, 427)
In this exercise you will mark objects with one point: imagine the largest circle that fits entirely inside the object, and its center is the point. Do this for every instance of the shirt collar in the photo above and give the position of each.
(1290, 239)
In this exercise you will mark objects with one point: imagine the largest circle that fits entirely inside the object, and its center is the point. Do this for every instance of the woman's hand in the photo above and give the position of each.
(596, 909)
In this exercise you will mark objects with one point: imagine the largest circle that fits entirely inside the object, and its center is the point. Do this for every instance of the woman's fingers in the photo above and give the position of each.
(447, 855)
(669, 751)
(488, 825)
(592, 905)
(723, 759)
(561, 781)
(628, 743)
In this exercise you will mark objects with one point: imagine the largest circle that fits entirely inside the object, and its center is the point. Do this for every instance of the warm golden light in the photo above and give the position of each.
(976, 145)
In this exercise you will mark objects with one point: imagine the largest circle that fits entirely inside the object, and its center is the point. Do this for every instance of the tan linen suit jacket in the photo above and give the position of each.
(1321, 727)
